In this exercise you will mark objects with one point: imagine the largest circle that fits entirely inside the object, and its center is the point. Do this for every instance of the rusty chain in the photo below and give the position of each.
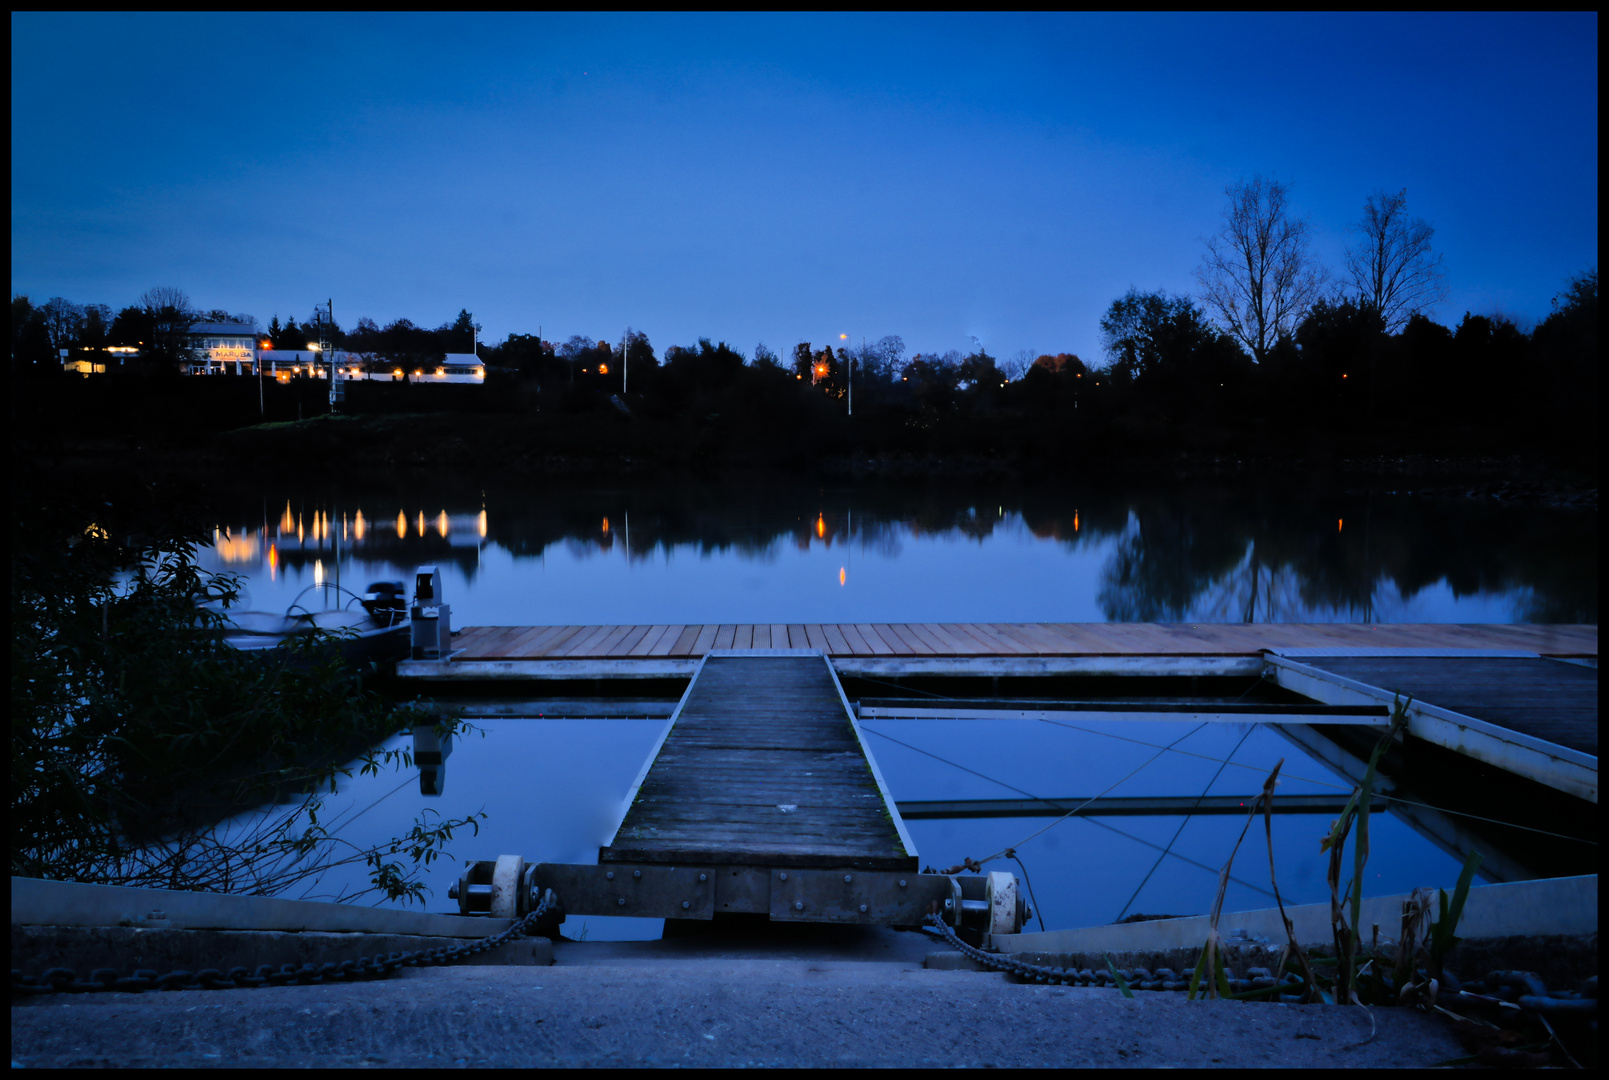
(66, 980)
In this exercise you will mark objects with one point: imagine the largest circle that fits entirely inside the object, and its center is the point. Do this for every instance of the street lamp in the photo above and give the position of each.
(851, 367)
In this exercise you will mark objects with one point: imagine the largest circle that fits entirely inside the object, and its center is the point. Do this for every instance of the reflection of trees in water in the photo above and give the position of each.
(1232, 553)
(1265, 558)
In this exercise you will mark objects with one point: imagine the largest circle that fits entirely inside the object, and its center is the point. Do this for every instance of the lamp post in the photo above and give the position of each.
(850, 365)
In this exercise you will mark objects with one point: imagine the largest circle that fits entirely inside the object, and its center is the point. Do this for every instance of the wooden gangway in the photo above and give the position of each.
(762, 764)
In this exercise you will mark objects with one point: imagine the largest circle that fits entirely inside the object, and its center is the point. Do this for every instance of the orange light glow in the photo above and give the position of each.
(287, 523)
(483, 524)
(1343, 374)
(605, 524)
(441, 523)
(402, 525)
(359, 526)
(273, 562)
(235, 549)
(421, 524)
(842, 577)
(603, 369)
(1075, 520)
(1338, 523)
(821, 526)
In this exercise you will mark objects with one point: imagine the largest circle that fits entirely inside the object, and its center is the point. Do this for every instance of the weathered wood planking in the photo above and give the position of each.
(1548, 699)
(1009, 639)
(755, 734)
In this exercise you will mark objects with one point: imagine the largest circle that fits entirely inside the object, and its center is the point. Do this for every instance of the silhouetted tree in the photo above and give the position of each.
(1564, 365)
(1391, 266)
(30, 341)
(1258, 275)
(171, 315)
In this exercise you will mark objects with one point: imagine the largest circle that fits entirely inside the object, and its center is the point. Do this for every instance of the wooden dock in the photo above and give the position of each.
(693, 640)
(762, 764)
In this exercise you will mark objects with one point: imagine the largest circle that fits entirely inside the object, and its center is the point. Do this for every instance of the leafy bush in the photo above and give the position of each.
(137, 733)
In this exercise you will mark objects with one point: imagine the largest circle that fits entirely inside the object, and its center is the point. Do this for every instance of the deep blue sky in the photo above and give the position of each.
(781, 178)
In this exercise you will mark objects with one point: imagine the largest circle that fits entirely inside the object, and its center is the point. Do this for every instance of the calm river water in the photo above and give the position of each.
(781, 551)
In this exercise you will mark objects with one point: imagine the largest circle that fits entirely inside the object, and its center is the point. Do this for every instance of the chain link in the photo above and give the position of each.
(66, 980)
(1511, 990)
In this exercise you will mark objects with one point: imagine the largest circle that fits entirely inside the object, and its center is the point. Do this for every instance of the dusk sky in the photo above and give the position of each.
(777, 178)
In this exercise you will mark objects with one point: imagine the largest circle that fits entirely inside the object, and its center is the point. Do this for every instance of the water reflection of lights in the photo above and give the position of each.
(358, 525)
(442, 525)
(842, 577)
(235, 549)
(605, 524)
(273, 562)
(287, 522)
(402, 525)
(421, 523)
(821, 526)
(318, 571)
(481, 523)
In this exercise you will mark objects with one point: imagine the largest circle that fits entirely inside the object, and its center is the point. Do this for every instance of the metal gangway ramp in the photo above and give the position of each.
(762, 763)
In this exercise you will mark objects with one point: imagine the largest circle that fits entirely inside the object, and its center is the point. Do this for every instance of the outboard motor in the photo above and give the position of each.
(432, 620)
(387, 601)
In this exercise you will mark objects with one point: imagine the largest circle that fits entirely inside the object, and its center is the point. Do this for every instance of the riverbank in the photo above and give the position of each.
(481, 449)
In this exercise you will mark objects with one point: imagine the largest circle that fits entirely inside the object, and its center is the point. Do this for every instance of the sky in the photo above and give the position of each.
(778, 178)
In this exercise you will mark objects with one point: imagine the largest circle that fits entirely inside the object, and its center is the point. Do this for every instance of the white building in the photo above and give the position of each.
(223, 349)
(286, 364)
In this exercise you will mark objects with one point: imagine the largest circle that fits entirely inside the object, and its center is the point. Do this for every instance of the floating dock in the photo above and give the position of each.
(1521, 697)
(890, 649)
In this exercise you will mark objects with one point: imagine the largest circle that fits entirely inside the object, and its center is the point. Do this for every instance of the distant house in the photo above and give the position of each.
(223, 349)
(287, 364)
(237, 349)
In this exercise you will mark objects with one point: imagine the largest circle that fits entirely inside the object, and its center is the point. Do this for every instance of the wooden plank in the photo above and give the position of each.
(725, 634)
(602, 646)
(686, 640)
(706, 638)
(796, 637)
(554, 643)
(584, 644)
(837, 644)
(626, 644)
(874, 641)
(649, 640)
(858, 645)
(981, 641)
(924, 633)
(667, 641)
(744, 637)
(485, 637)
(907, 641)
(528, 643)
(1032, 638)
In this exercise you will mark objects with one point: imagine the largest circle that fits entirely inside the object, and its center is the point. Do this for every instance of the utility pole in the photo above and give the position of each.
(625, 368)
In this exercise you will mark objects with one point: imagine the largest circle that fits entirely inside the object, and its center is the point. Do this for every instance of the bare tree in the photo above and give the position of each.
(1391, 266)
(1259, 276)
(171, 316)
(63, 320)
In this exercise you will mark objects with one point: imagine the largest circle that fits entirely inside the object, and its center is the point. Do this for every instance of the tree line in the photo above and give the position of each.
(1272, 338)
